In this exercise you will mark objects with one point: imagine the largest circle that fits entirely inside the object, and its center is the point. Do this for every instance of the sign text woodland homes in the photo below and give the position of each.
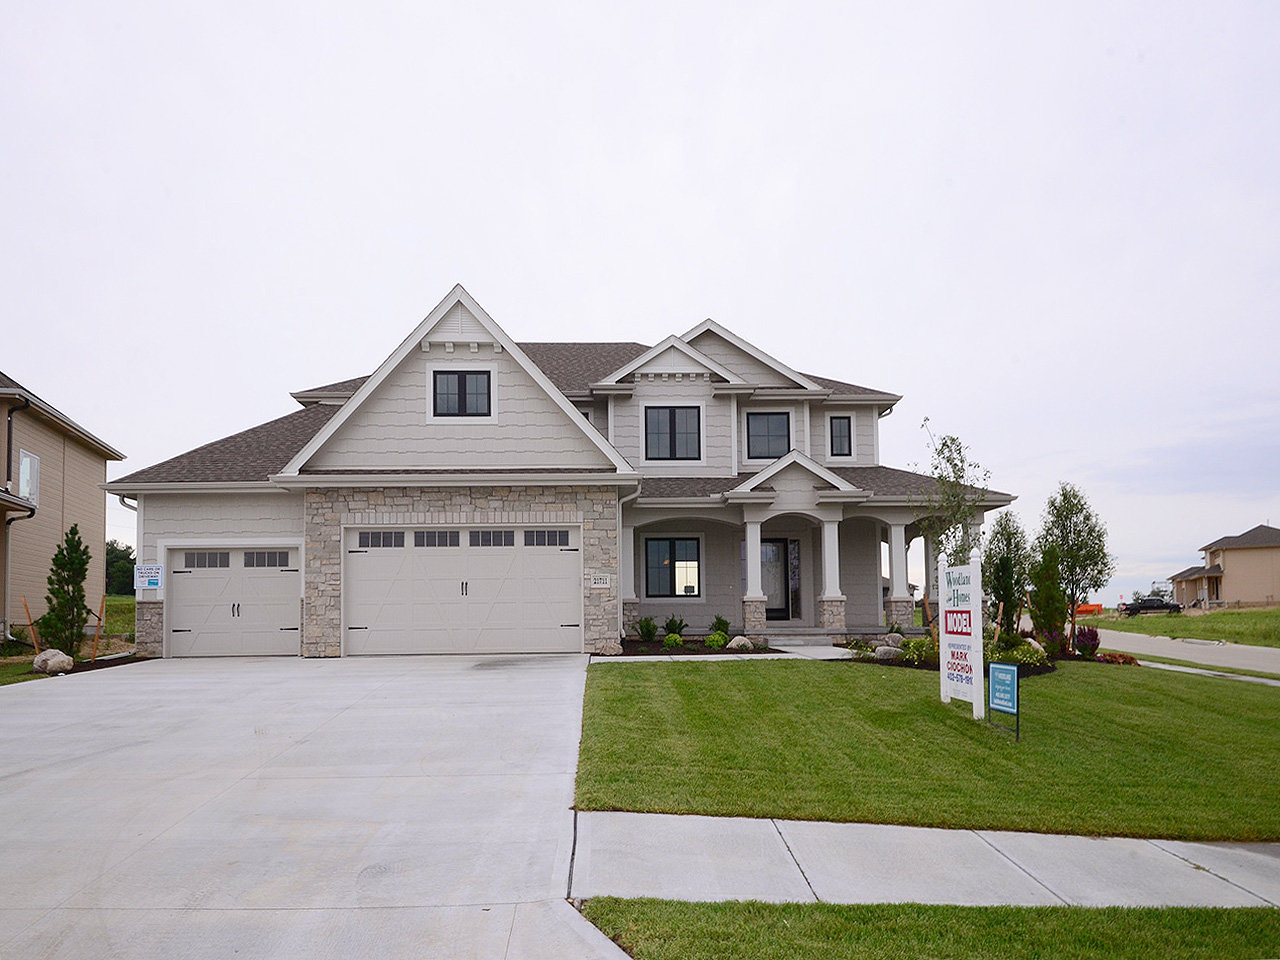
(960, 635)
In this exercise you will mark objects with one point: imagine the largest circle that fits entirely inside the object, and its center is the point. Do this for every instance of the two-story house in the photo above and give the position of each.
(479, 495)
(1240, 571)
(53, 469)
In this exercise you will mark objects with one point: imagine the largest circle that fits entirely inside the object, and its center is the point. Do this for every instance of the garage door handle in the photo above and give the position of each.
(294, 629)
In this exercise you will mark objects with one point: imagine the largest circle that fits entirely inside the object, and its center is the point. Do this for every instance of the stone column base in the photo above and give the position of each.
(753, 617)
(148, 629)
(901, 612)
(630, 614)
(831, 614)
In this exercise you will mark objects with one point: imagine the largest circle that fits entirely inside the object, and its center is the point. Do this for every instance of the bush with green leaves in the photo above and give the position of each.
(63, 625)
(717, 640)
(646, 629)
(1024, 655)
(719, 624)
(672, 640)
(1048, 602)
(676, 625)
(120, 561)
(920, 652)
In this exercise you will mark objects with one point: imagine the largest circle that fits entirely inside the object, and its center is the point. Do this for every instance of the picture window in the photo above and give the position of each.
(672, 433)
(768, 435)
(461, 393)
(672, 567)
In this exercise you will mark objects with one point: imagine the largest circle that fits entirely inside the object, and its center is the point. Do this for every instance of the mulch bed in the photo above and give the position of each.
(693, 647)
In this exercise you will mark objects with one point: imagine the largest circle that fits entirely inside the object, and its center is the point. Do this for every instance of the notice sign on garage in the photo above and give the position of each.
(148, 576)
(960, 636)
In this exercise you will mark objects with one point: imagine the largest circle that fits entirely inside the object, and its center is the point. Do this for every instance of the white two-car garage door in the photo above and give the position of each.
(462, 590)
(234, 602)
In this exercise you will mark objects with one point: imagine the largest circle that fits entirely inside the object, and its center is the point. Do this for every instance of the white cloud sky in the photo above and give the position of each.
(1051, 227)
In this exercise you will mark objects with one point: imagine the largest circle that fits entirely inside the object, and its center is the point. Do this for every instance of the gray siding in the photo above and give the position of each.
(865, 426)
(721, 563)
(394, 429)
(740, 362)
(717, 427)
(860, 572)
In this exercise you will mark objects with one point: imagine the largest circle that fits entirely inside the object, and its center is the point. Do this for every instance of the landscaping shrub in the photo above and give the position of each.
(1111, 656)
(1054, 643)
(719, 625)
(1024, 655)
(676, 625)
(920, 652)
(1048, 602)
(672, 640)
(63, 626)
(647, 629)
(717, 640)
(1087, 641)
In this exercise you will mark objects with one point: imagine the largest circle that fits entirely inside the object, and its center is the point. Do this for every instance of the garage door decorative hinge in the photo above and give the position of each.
(295, 629)
(570, 624)
(357, 628)
(176, 630)
(357, 551)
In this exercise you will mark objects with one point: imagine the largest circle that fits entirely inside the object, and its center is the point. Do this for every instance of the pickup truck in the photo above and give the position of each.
(1151, 605)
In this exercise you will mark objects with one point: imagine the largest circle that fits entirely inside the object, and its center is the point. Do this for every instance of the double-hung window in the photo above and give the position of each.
(768, 435)
(460, 393)
(672, 433)
(29, 477)
(842, 436)
(672, 567)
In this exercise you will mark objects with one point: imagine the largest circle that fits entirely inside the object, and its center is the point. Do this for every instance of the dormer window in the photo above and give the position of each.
(461, 393)
(672, 433)
(768, 435)
(842, 436)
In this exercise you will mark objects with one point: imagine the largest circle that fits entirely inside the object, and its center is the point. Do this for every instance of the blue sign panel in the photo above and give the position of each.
(1003, 688)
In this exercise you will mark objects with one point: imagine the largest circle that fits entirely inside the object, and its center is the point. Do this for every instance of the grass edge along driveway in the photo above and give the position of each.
(1259, 628)
(1106, 750)
(669, 930)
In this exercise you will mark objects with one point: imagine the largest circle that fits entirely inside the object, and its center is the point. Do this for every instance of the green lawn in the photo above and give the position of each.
(669, 930)
(1258, 627)
(17, 672)
(1106, 750)
(119, 615)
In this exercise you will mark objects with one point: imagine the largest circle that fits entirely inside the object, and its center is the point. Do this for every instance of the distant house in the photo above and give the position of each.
(1236, 571)
(53, 468)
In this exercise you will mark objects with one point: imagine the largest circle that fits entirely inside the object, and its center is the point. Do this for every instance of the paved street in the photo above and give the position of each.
(1238, 655)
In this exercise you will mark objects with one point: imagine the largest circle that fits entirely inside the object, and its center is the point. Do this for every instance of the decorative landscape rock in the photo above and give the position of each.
(740, 643)
(892, 640)
(887, 654)
(52, 661)
(610, 648)
(1036, 644)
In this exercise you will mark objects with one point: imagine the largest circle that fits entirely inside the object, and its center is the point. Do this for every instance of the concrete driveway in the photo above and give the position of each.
(392, 807)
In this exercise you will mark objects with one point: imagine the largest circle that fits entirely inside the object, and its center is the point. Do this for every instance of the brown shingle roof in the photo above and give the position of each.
(1259, 536)
(839, 388)
(1194, 573)
(881, 481)
(249, 456)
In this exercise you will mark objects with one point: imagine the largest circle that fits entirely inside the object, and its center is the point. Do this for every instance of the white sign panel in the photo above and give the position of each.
(960, 633)
(148, 576)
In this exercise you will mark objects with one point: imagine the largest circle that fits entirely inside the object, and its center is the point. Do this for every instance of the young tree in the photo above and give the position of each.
(63, 625)
(120, 561)
(1080, 537)
(1005, 559)
(960, 487)
(1048, 605)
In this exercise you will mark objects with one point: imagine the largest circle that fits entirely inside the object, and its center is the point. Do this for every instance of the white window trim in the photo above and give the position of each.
(680, 598)
(832, 458)
(27, 457)
(461, 366)
(746, 434)
(672, 462)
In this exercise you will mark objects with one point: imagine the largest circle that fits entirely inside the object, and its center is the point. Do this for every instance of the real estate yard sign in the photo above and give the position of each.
(960, 633)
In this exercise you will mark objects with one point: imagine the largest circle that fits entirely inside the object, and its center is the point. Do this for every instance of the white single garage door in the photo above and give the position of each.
(234, 603)
(463, 590)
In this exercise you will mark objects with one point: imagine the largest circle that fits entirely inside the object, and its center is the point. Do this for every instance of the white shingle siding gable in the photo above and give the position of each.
(717, 427)
(865, 425)
(740, 362)
(459, 325)
(394, 428)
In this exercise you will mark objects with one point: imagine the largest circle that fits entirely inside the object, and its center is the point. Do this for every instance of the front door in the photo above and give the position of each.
(775, 579)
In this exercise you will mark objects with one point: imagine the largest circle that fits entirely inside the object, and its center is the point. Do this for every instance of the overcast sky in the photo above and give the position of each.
(1054, 228)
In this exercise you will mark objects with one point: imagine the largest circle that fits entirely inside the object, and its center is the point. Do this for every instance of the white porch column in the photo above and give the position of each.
(627, 563)
(898, 562)
(831, 559)
(754, 591)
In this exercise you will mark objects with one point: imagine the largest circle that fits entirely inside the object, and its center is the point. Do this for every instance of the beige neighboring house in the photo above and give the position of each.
(54, 469)
(479, 495)
(1241, 571)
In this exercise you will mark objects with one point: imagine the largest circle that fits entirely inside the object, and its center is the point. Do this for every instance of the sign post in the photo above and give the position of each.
(960, 636)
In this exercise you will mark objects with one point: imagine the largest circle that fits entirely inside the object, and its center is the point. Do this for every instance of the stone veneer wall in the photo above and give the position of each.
(148, 628)
(327, 511)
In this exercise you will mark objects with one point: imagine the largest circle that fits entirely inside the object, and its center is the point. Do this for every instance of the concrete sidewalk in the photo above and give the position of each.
(1212, 654)
(713, 858)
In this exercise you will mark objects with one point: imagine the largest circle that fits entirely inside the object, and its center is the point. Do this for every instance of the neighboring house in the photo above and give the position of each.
(53, 472)
(1238, 571)
(479, 495)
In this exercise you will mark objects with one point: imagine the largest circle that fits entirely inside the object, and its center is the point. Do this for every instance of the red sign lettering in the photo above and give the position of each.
(959, 623)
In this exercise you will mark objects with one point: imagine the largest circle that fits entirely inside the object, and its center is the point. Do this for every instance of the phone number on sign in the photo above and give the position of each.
(959, 670)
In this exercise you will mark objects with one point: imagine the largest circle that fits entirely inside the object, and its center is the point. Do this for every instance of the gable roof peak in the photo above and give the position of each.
(710, 326)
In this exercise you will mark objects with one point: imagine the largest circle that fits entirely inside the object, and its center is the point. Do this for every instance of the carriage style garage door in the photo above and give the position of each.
(234, 603)
(462, 590)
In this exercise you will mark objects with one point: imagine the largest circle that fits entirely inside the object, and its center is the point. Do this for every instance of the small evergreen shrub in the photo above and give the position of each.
(719, 625)
(676, 625)
(717, 640)
(920, 652)
(62, 627)
(647, 629)
(672, 640)
(1087, 642)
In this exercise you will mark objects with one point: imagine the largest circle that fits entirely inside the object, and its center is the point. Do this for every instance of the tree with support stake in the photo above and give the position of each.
(63, 625)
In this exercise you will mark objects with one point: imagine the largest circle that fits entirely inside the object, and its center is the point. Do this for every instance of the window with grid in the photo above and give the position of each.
(768, 435)
(672, 567)
(672, 433)
(381, 538)
(266, 558)
(435, 538)
(461, 393)
(546, 538)
(493, 538)
(841, 436)
(201, 559)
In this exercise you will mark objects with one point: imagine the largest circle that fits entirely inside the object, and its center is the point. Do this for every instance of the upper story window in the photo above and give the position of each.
(460, 393)
(29, 477)
(672, 433)
(768, 435)
(842, 436)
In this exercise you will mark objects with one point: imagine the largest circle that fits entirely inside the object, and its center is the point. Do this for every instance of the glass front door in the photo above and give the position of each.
(775, 579)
